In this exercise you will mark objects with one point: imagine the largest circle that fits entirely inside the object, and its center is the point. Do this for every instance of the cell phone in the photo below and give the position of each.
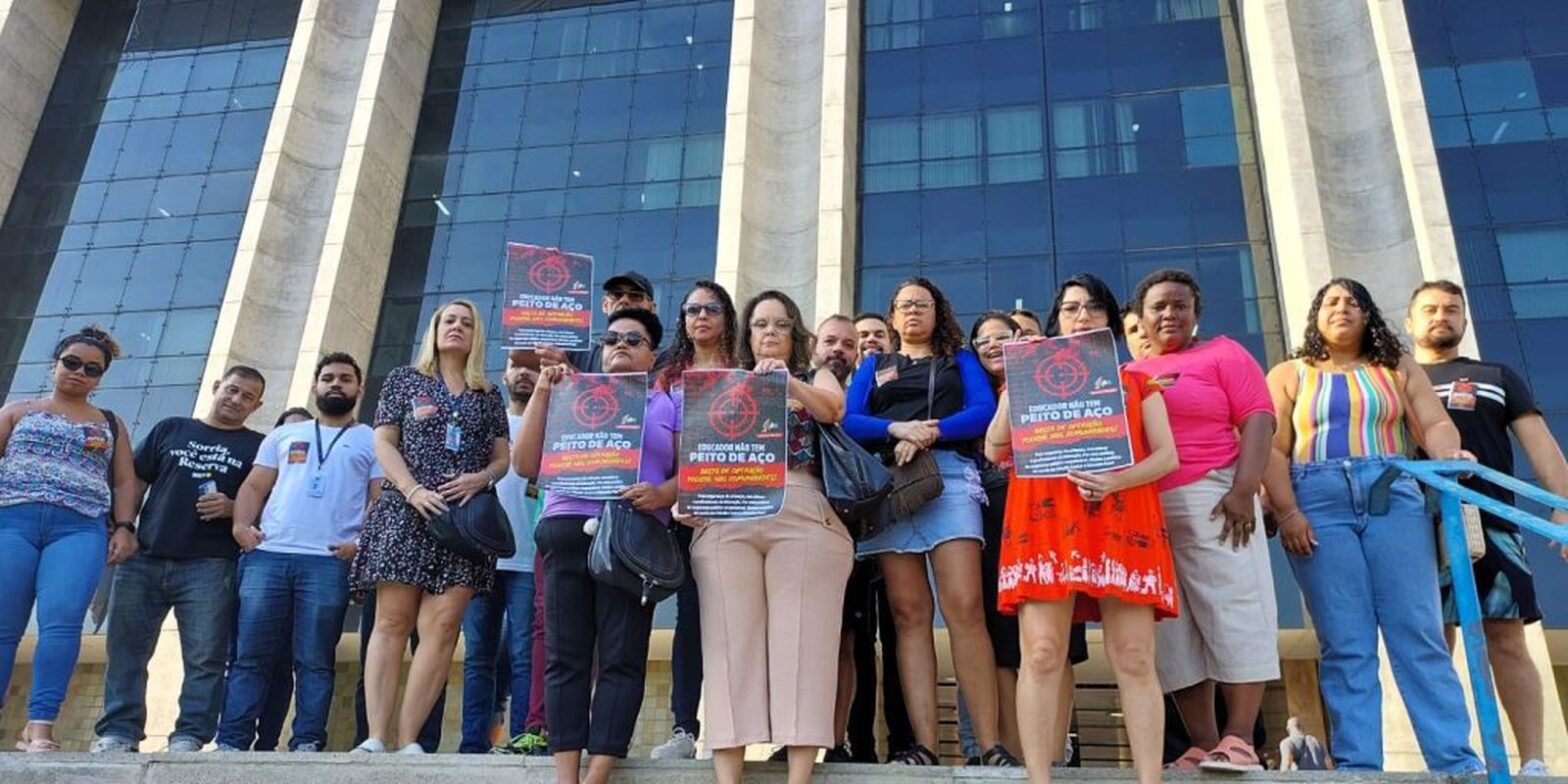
(207, 488)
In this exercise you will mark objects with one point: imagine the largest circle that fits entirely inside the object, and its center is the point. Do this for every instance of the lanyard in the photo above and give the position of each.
(321, 453)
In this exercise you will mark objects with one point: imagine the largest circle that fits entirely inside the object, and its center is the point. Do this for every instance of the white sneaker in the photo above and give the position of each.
(370, 746)
(681, 745)
(307, 747)
(182, 744)
(224, 747)
(1534, 767)
(412, 748)
(113, 744)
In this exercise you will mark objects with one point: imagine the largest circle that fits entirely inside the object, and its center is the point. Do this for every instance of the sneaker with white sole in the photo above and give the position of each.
(412, 748)
(681, 745)
(183, 745)
(308, 747)
(370, 746)
(224, 747)
(1534, 767)
(113, 744)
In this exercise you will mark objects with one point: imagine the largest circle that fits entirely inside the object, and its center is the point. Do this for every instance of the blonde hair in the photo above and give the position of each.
(474, 370)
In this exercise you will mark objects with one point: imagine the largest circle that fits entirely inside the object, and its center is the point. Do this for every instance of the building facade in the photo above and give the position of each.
(261, 181)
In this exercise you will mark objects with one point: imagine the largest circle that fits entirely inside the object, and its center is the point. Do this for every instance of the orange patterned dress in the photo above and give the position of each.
(1054, 547)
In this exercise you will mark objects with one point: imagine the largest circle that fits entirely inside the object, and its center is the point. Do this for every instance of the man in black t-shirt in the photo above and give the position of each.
(626, 290)
(190, 470)
(1486, 400)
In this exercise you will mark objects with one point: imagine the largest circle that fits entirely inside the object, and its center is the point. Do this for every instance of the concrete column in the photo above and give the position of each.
(33, 34)
(837, 212)
(281, 243)
(773, 146)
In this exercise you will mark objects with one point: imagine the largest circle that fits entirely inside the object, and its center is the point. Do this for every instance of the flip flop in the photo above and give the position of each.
(1233, 755)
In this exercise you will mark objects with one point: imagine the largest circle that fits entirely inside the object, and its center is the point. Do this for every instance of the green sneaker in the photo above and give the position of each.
(534, 743)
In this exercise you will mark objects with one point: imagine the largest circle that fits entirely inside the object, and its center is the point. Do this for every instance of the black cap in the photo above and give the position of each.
(649, 322)
(633, 279)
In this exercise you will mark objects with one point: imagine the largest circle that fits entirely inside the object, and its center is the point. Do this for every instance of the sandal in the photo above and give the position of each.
(33, 745)
(1189, 760)
(1233, 755)
(914, 755)
(999, 757)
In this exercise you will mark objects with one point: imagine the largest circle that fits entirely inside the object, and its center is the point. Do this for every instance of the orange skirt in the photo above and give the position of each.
(1054, 547)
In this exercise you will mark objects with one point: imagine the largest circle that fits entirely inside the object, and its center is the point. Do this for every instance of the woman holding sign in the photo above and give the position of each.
(441, 438)
(927, 404)
(773, 588)
(1350, 402)
(588, 623)
(1090, 547)
(1223, 421)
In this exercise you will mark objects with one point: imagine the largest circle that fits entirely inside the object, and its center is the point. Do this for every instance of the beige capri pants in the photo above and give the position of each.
(772, 609)
(1228, 630)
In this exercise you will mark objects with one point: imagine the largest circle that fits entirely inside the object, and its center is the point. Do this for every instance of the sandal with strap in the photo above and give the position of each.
(33, 745)
(999, 757)
(915, 755)
(1233, 755)
(1189, 760)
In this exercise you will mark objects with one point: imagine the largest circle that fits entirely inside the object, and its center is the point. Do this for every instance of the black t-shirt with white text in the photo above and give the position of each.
(178, 457)
(1484, 399)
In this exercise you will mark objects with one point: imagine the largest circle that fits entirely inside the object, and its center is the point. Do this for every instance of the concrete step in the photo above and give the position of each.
(215, 768)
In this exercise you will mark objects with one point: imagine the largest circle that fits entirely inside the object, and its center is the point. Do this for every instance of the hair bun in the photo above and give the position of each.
(98, 334)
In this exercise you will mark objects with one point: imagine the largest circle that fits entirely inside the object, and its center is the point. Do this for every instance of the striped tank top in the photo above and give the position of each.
(1340, 414)
(51, 460)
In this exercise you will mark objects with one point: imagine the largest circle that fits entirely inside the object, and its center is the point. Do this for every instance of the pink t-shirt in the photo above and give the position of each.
(1210, 389)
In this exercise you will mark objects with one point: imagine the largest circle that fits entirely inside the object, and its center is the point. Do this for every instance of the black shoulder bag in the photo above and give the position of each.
(476, 530)
(637, 553)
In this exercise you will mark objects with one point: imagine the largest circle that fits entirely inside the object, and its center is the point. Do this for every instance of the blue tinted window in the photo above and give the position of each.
(129, 204)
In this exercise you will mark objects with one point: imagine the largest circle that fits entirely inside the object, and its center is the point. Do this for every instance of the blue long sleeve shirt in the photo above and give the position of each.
(958, 428)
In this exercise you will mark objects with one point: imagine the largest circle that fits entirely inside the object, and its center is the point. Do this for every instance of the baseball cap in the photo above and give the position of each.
(633, 280)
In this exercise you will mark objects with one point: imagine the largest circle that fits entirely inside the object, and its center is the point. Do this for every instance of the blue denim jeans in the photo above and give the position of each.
(1371, 574)
(508, 610)
(285, 596)
(55, 556)
(201, 593)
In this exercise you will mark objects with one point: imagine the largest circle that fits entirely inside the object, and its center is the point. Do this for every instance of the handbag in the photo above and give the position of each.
(476, 530)
(919, 481)
(854, 481)
(637, 553)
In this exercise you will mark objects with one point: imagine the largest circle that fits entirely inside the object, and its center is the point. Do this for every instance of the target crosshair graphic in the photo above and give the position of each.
(733, 413)
(1062, 374)
(550, 274)
(596, 407)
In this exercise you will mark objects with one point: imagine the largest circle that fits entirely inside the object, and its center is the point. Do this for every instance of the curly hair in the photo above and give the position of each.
(684, 351)
(91, 335)
(1098, 291)
(947, 338)
(1167, 275)
(799, 337)
(1379, 344)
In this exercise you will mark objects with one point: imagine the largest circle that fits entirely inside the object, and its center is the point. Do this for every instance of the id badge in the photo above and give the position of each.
(454, 437)
(318, 485)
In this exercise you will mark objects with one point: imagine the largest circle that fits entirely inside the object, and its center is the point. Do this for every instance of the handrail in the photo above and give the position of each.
(1442, 476)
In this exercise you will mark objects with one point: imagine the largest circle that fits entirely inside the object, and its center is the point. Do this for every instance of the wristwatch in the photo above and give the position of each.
(114, 529)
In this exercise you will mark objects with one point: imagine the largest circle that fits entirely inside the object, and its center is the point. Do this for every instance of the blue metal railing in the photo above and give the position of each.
(1440, 479)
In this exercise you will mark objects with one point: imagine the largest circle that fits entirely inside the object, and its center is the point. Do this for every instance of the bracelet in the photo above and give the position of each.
(410, 494)
(115, 528)
(1294, 513)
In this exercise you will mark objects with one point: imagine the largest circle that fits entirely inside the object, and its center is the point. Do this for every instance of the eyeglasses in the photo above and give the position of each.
(779, 325)
(1093, 308)
(695, 309)
(89, 369)
(913, 305)
(982, 341)
(611, 338)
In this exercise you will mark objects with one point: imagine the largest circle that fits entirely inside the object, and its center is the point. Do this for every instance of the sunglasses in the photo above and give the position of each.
(612, 338)
(89, 369)
(697, 309)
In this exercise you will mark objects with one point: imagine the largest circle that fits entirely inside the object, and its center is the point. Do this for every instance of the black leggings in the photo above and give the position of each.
(582, 616)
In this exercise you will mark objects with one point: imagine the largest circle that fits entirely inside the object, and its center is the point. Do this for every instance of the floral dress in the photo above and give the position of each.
(396, 544)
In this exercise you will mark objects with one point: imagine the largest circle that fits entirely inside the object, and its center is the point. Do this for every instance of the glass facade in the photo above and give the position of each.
(128, 209)
(1006, 144)
(1495, 77)
(593, 127)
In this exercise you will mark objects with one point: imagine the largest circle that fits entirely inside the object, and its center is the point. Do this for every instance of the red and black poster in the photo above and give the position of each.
(734, 453)
(549, 298)
(1068, 411)
(593, 434)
